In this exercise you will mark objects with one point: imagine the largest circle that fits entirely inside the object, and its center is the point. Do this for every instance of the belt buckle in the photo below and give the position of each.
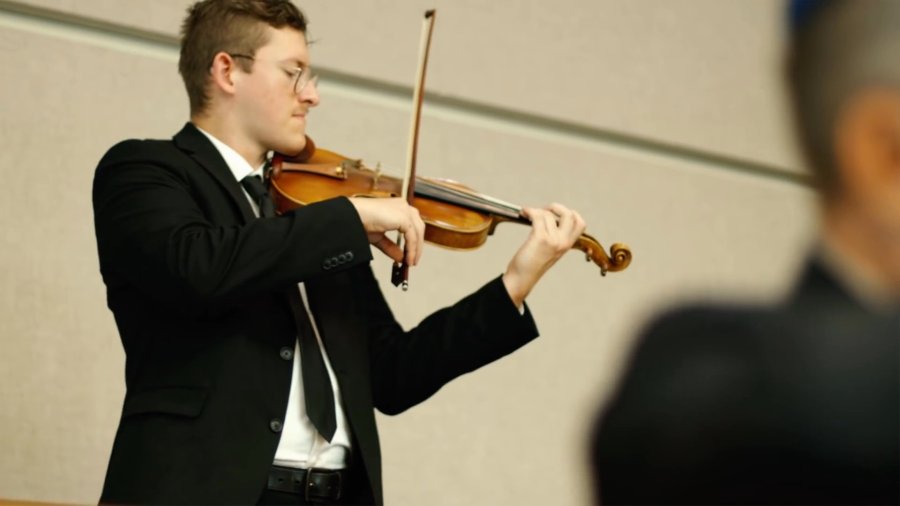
(308, 485)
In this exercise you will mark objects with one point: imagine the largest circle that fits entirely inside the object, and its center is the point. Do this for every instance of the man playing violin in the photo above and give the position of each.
(258, 346)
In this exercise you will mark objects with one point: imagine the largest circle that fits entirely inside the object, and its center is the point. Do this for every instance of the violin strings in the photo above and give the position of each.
(474, 194)
(467, 198)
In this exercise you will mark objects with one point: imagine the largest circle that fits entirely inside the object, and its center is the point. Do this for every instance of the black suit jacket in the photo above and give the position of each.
(197, 286)
(795, 404)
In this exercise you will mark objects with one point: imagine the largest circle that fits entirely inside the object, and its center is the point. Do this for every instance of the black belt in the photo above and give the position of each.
(312, 484)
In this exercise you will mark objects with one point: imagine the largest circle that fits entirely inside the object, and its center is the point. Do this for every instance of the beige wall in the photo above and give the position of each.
(662, 122)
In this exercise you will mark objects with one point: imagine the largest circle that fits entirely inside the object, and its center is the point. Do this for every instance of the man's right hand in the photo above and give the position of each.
(381, 215)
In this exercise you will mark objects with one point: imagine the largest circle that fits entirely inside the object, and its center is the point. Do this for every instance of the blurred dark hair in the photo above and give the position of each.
(836, 48)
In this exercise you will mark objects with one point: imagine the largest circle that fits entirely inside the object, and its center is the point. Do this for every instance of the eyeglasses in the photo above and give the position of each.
(302, 76)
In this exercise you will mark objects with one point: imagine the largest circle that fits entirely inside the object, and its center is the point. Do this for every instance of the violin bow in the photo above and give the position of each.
(400, 270)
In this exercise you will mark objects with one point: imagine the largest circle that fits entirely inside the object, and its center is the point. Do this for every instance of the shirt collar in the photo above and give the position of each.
(238, 166)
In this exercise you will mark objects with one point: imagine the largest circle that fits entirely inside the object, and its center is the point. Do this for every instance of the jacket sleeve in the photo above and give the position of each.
(408, 367)
(155, 233)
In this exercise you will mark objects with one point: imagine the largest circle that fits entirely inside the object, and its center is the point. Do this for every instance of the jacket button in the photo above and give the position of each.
(327, 264)
(286, 353)
(342, 258)
(349, 256)
(275, 425)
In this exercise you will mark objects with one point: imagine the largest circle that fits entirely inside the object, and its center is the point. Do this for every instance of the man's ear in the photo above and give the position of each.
(222, 73)
(867, 141)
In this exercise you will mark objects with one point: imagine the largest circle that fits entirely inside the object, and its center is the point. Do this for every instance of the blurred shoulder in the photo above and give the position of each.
(703, 323)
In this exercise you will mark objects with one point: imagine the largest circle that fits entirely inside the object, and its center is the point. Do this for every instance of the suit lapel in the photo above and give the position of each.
(197, 146)
(339, 326)
(332, 320)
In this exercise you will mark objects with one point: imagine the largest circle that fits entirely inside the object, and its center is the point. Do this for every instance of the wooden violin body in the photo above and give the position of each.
(455, 216)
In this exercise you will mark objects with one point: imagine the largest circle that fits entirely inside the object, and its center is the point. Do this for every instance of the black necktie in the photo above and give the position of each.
(316, 383)
(257, 190)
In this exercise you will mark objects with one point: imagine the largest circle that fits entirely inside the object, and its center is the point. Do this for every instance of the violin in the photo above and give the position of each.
(456, 216)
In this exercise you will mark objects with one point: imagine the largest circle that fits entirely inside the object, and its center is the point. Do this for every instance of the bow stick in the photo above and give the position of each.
(400, 271)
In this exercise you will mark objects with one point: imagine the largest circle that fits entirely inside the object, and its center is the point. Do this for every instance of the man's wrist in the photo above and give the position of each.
(515, 289)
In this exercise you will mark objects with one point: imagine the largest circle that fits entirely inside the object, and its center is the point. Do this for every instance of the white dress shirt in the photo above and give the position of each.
(301, 445)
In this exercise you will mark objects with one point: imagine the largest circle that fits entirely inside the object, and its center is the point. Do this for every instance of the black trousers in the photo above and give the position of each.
(274, 497)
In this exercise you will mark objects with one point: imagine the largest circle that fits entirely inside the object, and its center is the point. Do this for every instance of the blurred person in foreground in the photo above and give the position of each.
(795, 403)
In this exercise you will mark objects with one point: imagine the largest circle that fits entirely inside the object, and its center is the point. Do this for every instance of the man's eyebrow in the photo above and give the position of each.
(297, 62)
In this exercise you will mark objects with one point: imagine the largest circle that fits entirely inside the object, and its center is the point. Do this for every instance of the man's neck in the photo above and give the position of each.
(218, 128)
(867, 258)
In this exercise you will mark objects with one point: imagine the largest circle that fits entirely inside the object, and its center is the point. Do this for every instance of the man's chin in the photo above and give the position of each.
(294, 149)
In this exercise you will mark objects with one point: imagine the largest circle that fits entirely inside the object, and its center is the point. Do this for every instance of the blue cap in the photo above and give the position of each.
(800, 12)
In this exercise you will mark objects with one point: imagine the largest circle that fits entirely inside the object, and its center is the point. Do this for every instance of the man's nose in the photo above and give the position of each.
(310, 93)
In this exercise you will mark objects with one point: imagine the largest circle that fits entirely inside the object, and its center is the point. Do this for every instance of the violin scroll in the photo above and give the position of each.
(619, 259)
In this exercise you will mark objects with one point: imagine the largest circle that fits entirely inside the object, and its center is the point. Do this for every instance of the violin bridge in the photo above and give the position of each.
(377, 175)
